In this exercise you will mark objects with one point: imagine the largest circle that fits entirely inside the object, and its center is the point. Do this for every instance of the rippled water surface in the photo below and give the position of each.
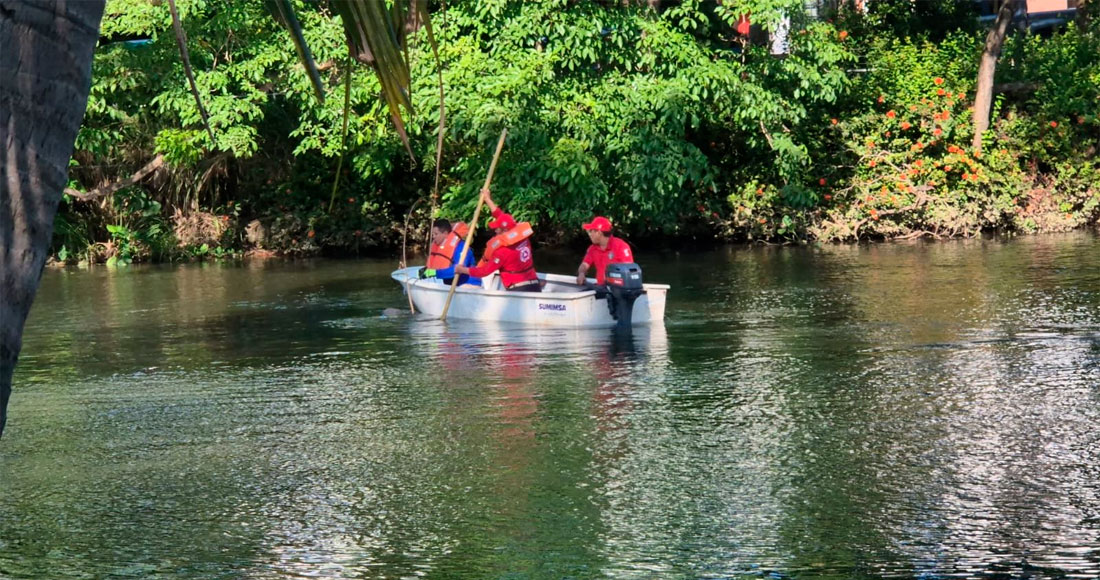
(901, 411)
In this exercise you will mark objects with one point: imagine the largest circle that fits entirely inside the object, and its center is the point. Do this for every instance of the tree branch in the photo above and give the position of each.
(103, 190)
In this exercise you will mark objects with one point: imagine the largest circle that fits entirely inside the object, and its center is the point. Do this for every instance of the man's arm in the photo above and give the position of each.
(586, 263)
(488, 200)
(481, 271)
(582, 273)
(450, 272)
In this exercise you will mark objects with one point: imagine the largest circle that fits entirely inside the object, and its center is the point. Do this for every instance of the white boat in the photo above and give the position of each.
(561, 303)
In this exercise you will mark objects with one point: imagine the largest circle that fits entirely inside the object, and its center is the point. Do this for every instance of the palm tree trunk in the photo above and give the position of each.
(983, 95)
(46, 50)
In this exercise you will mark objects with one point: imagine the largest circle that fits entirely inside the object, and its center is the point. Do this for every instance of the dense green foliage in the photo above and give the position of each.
(666, 121)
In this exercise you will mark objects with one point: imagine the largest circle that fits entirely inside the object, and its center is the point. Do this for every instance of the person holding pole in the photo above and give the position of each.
(473, 225)
(509, 252)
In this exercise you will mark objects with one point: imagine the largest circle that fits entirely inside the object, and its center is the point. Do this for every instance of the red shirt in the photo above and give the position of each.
(617, 252)
(516, 264)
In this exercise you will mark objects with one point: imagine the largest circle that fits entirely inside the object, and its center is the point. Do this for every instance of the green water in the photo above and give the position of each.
(903, 411)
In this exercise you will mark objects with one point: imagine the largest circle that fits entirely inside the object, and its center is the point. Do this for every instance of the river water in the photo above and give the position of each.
(924, 410)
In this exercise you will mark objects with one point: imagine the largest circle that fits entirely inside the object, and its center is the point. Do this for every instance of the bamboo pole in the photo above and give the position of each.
(404, 255)
(473, 224)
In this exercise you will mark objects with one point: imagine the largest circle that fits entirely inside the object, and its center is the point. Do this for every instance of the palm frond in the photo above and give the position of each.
(376, 36)
(283, 13)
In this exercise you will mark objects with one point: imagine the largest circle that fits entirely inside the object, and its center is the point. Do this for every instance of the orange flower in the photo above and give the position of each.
(828, 197)
(763, 221)
(872, 163)
(311, 233)
(833, 121)
(821, 181)
(905, 125)
(937, 131)
(947, 168)
(881, 99)
(843, 34)
(938, 81)
(891, 114)
(941, 92)
(1054, 124)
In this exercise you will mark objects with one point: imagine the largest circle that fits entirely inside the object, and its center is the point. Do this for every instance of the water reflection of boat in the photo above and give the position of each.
(491, 338)
(560, 304)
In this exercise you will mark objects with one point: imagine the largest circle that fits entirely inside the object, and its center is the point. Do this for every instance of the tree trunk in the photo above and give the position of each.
(46, 50)
(983, 95)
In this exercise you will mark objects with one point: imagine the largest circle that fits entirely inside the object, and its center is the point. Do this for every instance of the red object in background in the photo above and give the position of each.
(743, 25)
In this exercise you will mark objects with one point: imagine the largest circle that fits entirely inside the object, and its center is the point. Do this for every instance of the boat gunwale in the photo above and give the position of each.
(482, 291)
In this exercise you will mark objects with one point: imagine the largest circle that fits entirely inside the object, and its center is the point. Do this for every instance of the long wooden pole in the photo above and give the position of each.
(473, 224)
(404, 254)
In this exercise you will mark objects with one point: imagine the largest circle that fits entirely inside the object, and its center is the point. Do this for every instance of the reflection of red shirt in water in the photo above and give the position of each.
(516, 263)
(617, 252)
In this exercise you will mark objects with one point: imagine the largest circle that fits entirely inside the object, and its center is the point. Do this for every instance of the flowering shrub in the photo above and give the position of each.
(913, 172)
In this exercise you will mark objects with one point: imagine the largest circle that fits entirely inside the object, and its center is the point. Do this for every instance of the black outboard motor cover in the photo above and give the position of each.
(624, 284)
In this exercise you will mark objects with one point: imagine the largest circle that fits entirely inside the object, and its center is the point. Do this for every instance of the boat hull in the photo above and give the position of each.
(562, 303)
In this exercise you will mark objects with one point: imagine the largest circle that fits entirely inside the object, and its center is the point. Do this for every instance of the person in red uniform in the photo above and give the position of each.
(605, 249)
(509, 252)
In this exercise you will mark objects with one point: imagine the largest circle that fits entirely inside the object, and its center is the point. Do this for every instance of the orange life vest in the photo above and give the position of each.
(520, 232)
(441, 255)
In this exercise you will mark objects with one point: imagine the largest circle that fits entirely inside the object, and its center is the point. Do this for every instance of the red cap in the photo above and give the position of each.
(506, 221)
(599, 223)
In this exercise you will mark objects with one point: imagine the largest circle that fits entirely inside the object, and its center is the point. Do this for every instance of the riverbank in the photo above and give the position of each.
(228, 241)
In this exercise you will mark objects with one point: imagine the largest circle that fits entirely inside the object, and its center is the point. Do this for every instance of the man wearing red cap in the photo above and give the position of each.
(605, 249)
(509, 252)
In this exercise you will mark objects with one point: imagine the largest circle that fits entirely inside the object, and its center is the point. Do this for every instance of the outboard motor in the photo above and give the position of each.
(624, 285)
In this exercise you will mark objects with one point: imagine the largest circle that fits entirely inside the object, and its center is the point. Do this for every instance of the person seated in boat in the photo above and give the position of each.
(509, 252)
(605, 249)
(447, 245)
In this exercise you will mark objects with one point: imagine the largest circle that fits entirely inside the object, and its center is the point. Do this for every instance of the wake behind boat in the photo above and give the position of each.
(561, 303)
